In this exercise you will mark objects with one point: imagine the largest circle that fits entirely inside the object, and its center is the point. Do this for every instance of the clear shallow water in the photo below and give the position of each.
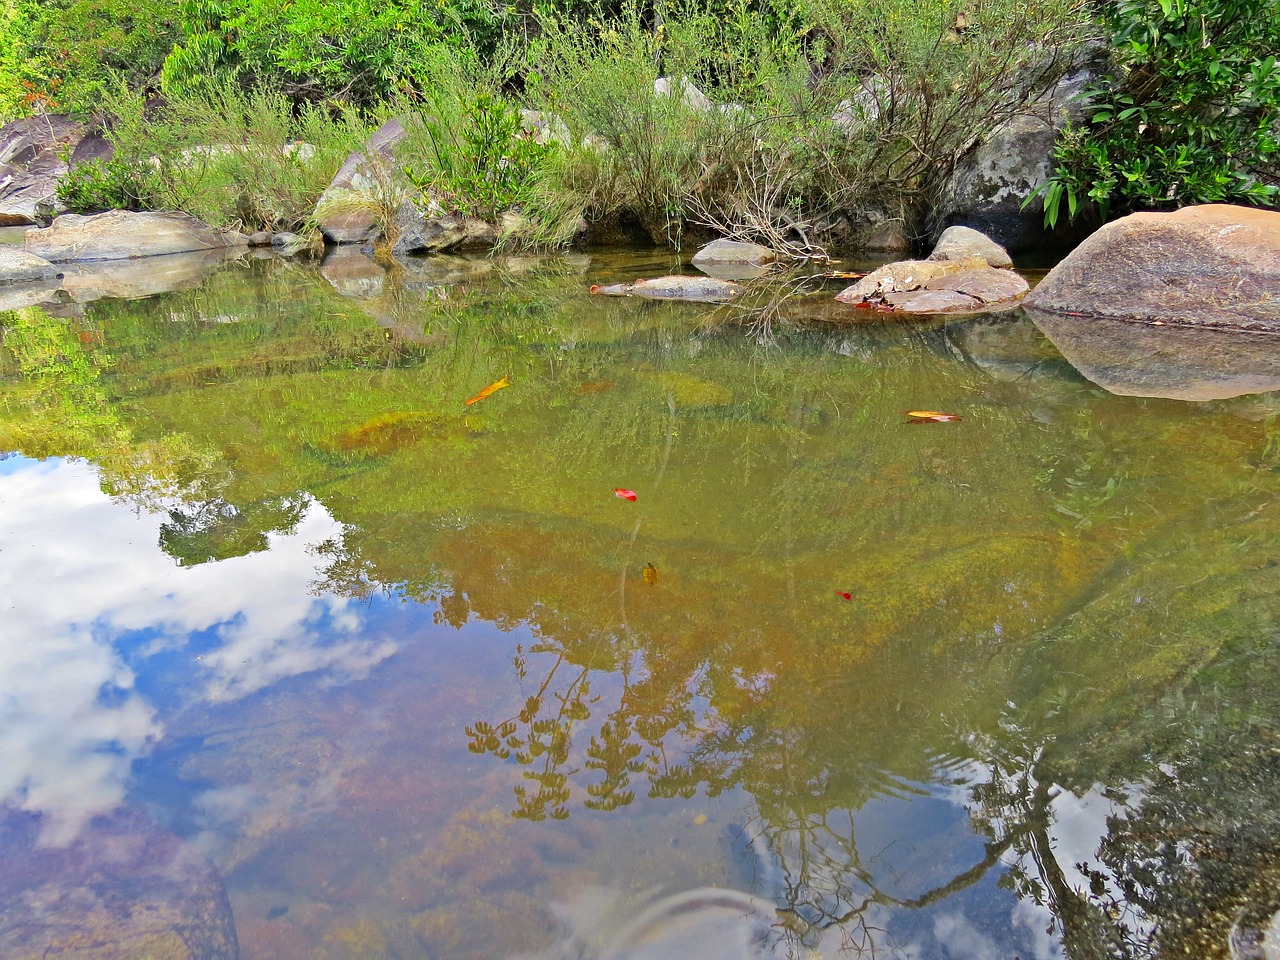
(392, 665)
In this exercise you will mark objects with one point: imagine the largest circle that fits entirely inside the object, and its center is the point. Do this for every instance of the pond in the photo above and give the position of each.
(303, 652)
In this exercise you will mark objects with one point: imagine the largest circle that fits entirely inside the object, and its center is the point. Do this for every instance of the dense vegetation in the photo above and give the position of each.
(821, 118)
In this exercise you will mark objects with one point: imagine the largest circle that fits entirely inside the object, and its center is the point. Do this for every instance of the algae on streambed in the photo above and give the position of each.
(502, 707)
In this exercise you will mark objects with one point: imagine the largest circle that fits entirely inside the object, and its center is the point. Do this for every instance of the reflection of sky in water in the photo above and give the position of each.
(104, 634)
(90, 592)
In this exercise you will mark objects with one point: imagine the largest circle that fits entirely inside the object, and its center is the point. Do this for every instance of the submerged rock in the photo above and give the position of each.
(1141, 360)
(122, 235)
(694, 289)
(1215, 265)
(124, 889)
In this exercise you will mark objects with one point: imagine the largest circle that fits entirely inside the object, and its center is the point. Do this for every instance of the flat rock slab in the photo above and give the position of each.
(904, 275)
(18, 266)
(122, 235)
(1215, 265)
(693, 289)
(125, 889)
(1177, 363)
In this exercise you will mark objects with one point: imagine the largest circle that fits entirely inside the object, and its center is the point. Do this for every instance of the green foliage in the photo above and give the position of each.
(359, 51)
(1192, 114)
(98, 185)
(227, 156)
(471, 151)
(62, 54)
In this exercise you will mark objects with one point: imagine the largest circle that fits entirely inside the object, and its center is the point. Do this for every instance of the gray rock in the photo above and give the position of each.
(259, 238)
(18, 266)
(31, 164)
(694, 289)
(962, 243)
(15, 296)
(988, 187)
(937, 286)
(365, 172)
(418, 233)
(733, 251)
(121, 234)
(291, 244)
(1215, 265)
(684, 88)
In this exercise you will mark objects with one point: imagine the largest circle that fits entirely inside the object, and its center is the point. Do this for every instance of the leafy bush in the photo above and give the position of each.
(1192, 114)
(62, 54)
(245, 159)
(358, 51)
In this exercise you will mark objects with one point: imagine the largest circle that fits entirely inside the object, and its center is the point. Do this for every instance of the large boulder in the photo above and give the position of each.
(960, 243)
(1207, 266)
(122, 234)
(18, 266)
(32, 164)
(987, 189)
(344, 212)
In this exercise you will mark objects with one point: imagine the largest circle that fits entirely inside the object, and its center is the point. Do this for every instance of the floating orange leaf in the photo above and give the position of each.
(490, 390)
(842, 593)
(624, 494)
(930, 416)
(650, 573)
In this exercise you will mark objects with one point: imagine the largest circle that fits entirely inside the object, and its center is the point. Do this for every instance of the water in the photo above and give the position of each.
(284, 617)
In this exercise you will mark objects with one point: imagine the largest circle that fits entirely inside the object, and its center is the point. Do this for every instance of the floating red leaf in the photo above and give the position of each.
(841, 593)
(624, 494)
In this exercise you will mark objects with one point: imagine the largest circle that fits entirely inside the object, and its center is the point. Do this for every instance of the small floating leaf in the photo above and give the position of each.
(490, 390)
(842, 593)
(650, 573)
(930, 416)
(624, 494)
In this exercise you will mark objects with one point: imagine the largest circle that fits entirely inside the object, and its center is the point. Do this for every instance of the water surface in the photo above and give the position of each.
(415, 683)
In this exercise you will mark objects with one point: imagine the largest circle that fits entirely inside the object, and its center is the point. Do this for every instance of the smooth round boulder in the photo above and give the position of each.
(1212, 266)
(961, 243)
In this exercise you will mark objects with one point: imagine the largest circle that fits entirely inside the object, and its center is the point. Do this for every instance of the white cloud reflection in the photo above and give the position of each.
(82, 574)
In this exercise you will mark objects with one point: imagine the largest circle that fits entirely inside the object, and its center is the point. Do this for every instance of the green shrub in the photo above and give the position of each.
(244, 159)
(1192, 114)
(357, 51)
(63, 54)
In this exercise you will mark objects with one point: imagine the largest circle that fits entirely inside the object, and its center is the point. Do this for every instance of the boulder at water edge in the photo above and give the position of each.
(18, 266)
(734, 260)
(121, 234)
(968, 285)
(345, 212)
(1214, 266)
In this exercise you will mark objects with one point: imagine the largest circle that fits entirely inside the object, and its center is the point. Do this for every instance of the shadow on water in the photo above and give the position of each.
(417, 683)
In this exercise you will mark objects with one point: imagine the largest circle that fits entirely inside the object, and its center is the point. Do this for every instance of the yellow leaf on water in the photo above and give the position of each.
(650, 573)
(490, 390)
